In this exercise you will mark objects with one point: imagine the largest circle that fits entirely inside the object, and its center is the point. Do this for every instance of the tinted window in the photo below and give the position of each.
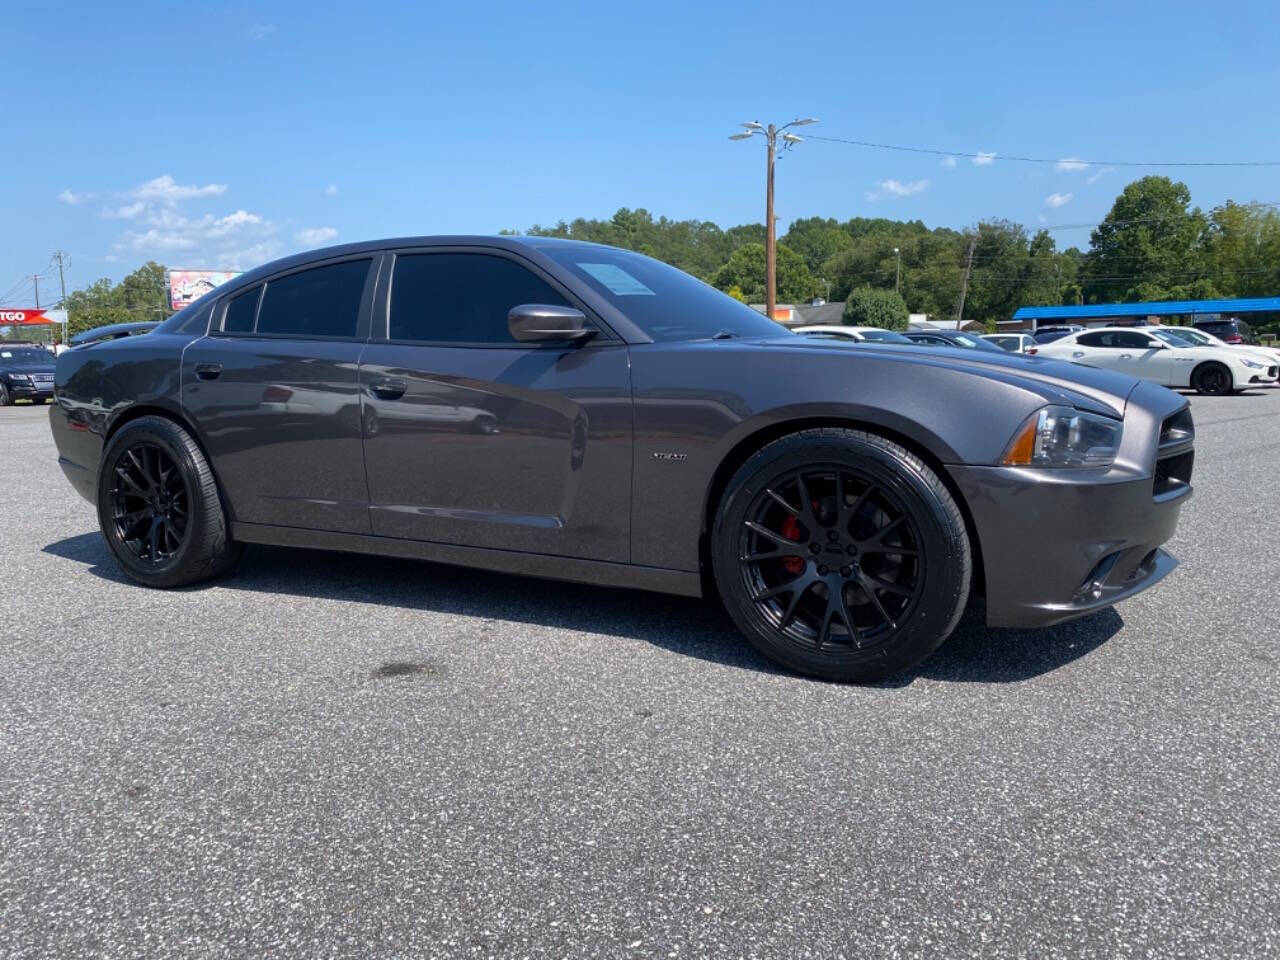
(241, 311)
(324, 302)
(664, 302)
(461, 297)
(1115, 339)
(884, 336)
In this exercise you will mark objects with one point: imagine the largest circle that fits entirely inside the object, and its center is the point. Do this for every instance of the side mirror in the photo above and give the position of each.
(544, 322)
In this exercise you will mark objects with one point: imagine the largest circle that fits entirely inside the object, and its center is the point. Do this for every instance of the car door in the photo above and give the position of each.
(1094, 349)
(1142, 355)
(273, 391)
(473, 438)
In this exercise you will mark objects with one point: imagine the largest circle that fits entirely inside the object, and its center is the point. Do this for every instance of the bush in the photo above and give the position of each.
(868, 307)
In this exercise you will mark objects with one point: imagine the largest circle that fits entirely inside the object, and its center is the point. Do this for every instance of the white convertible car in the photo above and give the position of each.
(1156, 354)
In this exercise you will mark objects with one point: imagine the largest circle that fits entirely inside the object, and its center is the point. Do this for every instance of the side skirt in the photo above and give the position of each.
(598, 572)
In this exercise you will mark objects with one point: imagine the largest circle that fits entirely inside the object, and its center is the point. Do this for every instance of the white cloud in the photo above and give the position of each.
(1094, 178)
(331, 190)
(166, 190)
(127, 212)
(897, 188)
(949, 163)
(260, 31)
(314, 236)
(1070, 164)
(69, 197)
(984, 159)
(1056, 200)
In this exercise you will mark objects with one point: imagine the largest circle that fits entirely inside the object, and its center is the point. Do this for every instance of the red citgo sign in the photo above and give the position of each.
(25, 316)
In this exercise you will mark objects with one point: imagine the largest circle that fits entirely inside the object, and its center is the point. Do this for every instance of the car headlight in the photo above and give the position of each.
(19, 378)
(1253, 364)
(1064, 437)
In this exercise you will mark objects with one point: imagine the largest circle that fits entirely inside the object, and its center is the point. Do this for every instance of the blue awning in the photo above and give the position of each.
(1164, 308)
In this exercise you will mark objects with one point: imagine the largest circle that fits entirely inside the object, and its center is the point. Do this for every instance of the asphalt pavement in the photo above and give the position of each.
(338, 756)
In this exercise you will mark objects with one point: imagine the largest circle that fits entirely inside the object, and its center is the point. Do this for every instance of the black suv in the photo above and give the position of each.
(25, 371)
(1230, 331)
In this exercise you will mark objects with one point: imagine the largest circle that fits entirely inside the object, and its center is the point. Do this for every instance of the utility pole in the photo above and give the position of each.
(897, 273)
(772, 134)
(58, 255)
(964, 287)
(35, 278)
(770, 243)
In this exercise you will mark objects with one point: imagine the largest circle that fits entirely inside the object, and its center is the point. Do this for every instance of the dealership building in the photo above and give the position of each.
(1137, 314)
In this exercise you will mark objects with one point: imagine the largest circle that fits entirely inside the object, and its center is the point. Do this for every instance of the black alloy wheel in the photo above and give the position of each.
(841, 554)
(1212, 379)
(830, 557)
(159, 506)
(150, 504)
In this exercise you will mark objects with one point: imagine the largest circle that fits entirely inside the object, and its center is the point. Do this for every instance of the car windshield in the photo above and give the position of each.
(1172, 339)
(26, 358)
(884, 336)
(972, 343)
(666, 303)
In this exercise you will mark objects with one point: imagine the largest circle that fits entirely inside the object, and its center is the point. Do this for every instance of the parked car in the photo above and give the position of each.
(1198, 338)
(1155, 354)
(1230, 330)
(856, 334)
(1013, 342)
(26, 373)
(646, 431)
(952, 338)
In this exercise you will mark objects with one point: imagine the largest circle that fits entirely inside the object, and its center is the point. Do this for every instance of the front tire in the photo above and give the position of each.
(159, 508)
(1211, 379)
(840, 554)
(5, 399)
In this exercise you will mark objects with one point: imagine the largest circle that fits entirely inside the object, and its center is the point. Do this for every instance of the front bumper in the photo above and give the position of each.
(28, 391)
(1060, 544)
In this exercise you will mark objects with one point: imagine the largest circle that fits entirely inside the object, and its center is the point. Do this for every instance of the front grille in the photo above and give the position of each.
(1173, 473)
(1177, 429)
(1175, 457)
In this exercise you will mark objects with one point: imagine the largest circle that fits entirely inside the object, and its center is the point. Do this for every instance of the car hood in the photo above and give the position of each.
(1086, 388)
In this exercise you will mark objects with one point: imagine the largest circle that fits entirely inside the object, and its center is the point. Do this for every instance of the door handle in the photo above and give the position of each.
(391, 388)
(208, 371)
(1126, 356)
(1078, 353)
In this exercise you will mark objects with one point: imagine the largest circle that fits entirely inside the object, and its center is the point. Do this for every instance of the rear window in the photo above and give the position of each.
(322, 302)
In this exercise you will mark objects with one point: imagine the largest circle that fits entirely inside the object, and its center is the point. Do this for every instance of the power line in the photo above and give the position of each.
(1069, 160)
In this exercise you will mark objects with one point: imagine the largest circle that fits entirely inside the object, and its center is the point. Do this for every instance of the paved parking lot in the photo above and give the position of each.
(328, 756)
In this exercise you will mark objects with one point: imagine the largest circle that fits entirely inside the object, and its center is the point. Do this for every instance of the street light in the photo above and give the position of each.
(771, 134)
(897, 273)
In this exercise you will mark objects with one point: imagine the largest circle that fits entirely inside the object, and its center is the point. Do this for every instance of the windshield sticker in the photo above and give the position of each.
(617, 280)
(6, 354)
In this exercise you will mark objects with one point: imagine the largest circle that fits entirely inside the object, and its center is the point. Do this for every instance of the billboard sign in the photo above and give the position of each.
(25, 316)
(188, 286)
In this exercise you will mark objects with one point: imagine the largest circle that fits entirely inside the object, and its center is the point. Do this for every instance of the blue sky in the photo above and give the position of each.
(227, 135)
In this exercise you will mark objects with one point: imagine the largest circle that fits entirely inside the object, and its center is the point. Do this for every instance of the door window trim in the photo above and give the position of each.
(605, 335)
(363, 319)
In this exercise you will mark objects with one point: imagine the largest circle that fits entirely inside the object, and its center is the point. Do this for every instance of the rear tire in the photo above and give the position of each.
(159, 507)
(840, 554)
(1211, 379)
(5, 400)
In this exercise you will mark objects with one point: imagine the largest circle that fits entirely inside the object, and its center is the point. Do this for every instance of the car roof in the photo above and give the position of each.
(500, 242)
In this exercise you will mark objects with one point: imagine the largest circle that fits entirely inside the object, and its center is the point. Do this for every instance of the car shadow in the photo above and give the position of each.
(683, 625)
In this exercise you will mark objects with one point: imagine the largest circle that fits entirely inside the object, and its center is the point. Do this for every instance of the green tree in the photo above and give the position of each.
(869, 307)
(141, 295)
(1152, 236)
(817, 241)
(745, 270)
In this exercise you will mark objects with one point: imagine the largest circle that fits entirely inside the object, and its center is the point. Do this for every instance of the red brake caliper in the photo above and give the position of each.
(791, 530)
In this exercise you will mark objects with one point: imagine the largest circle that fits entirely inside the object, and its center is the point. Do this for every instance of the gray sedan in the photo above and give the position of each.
(579, 412)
